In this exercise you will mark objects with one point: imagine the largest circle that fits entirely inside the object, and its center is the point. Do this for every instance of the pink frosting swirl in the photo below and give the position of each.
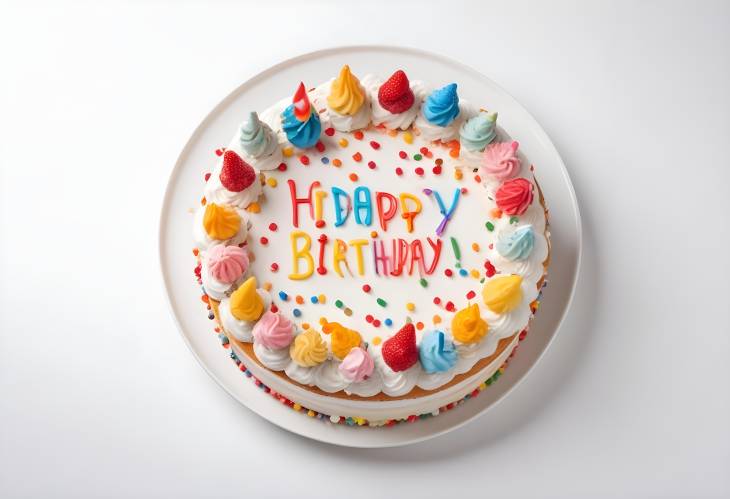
(357, 365)
(500, 160)
(227, 263)
(273, 331)
(514, 196)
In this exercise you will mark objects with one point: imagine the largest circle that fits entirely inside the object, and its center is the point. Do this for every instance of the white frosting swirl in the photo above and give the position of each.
(340, 122)
(397, 383)
(203, 241)
(275, 359)
(213, 287)
(328, 378)
(241, 330)
(301, 374)
(382, 116)
(368, 387)
(432, 132)
(216, 193)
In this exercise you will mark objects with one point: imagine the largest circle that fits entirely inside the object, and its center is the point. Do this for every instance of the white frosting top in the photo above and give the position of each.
(467, 226)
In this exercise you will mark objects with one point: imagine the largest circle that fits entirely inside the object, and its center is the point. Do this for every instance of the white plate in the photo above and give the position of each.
(185, 189)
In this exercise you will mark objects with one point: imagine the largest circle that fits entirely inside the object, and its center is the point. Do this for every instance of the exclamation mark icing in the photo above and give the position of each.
(457, 252)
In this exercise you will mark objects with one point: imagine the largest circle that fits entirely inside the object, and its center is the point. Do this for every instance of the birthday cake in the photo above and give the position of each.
(372, 250)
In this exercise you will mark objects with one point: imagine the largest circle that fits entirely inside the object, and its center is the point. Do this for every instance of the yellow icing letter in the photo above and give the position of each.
(298, 254)
(358, 244)
(339, 256)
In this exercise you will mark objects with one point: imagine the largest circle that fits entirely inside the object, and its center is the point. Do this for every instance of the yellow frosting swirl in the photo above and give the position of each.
(246, 303)
(220, 222)
(342, 339)
(308, 349)
(467, 326)
(346, 95)
(503, 294)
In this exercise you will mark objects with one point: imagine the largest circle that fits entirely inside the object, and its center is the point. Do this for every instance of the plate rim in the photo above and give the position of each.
(164, 215)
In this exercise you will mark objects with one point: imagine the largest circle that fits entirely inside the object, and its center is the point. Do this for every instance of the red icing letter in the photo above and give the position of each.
(380, 257)
(383, 214)
(399, 262)
(416, 256)
(321, 269)
(436, 247)
(295, 201)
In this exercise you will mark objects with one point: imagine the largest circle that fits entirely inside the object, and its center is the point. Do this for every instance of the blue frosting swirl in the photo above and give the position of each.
(254, 139)
(518, 245)
(442, 106)
(301, 134)
(437, 354)
(478, 131)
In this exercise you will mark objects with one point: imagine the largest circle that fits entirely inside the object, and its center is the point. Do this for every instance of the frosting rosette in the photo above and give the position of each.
(221, 222)
(226, 263)
(478, 131)
(246, 304)
(345, 100)
(437, 354)
(467, 326)
(518, 245)
(308, 349)
(215, 224)
(300, 121)
(346, 96)
(442, 106)
(234, 182)
(342, 339)
(357, 365)
(503, 294)
(401, 111)
(260, 143)
(500, 160)
(273, 331)
(514, 196)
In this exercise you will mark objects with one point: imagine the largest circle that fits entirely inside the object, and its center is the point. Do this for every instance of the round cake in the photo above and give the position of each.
(372, 250)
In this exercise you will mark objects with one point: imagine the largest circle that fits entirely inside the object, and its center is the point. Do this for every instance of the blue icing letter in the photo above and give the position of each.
(478, 131)
(302, 134)
(336, 194)
(437, 354)
(518, 245)
(442, 106)
(363, 202)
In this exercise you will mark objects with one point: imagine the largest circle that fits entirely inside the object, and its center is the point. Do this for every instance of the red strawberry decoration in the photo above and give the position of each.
(236, 174)
(400, 351)
(396, 95)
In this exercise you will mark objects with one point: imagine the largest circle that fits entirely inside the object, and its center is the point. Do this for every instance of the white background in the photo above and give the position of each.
(99, 396)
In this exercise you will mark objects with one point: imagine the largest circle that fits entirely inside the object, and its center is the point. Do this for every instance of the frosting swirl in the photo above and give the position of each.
(273, 331)
(436, 353)
(308, 349)
(502, 294)
(514, 196)
(478, 131)
(467, 326)
(220, 222)
(257, 139)
(346, 95)
(357, 365)
(442, 106)
(342, 339)
(246, 304)
(226, 263)
(517, 245)
(500, 160)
